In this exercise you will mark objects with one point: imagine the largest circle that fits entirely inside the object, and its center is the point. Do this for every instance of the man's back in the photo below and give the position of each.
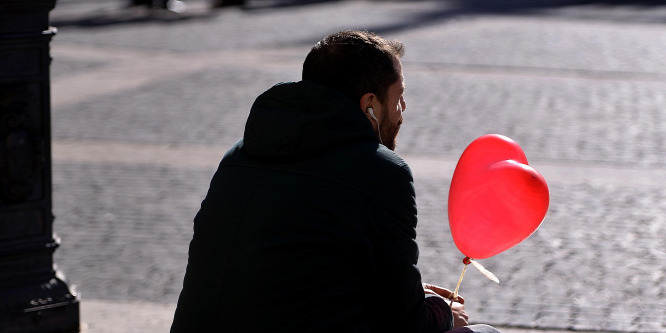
(302, 217)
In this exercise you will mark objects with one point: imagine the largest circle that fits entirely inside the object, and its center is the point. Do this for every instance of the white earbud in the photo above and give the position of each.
(372, 114)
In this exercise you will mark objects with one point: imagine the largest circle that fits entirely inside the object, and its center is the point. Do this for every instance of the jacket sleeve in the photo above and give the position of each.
(399, 303)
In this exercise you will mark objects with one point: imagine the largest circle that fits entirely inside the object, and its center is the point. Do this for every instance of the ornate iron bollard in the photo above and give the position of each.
(32, 296)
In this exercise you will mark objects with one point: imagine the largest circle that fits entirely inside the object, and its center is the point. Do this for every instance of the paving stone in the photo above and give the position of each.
(577, 271)
(125, 230)
(573, 84)
(201, 108)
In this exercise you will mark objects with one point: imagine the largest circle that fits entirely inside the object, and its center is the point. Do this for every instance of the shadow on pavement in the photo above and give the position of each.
(602, 10)
(518, 5)
(128, 16)
(634, 11)
(269, 4)
(123, 14)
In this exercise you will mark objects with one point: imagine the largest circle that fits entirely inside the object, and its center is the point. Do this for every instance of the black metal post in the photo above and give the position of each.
(33, 298)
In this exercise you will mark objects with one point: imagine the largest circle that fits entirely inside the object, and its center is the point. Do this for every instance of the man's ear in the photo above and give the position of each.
(366, 101)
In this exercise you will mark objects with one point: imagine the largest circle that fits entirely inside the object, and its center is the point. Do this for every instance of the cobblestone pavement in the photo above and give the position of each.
(145, 105)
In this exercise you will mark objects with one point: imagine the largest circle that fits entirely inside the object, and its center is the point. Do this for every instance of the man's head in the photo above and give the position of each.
(367, 69)
(354, 63)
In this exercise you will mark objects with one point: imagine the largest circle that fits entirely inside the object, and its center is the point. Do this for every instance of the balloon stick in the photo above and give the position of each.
(455, 293)
(477, 265)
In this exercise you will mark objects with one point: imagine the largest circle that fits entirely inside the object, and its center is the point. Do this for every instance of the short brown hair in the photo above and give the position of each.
(354, 63)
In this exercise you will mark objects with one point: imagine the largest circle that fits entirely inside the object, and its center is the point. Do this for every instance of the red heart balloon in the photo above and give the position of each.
(496, 200)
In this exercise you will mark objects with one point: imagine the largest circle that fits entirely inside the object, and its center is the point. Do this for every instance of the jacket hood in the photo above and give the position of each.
(302, 118)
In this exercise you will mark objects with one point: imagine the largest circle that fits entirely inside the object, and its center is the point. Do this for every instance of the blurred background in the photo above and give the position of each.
(147, 97)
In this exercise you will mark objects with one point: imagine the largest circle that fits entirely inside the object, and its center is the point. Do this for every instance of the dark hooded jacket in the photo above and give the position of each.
(308, 226)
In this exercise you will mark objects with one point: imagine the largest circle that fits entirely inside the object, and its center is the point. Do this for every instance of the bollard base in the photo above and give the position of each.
(40, 307)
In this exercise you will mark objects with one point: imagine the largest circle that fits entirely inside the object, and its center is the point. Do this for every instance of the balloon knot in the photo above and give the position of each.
(467, 260)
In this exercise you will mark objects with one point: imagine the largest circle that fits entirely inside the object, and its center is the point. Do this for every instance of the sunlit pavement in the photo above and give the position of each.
(145, 103)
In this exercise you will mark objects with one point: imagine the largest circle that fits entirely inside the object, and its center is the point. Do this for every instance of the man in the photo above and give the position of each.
(309, 222)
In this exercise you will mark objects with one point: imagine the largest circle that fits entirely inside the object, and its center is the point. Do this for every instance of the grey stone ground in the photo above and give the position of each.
(145, 105)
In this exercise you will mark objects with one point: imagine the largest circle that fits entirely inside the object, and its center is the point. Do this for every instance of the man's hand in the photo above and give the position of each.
(437, 290)
(460, 317)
